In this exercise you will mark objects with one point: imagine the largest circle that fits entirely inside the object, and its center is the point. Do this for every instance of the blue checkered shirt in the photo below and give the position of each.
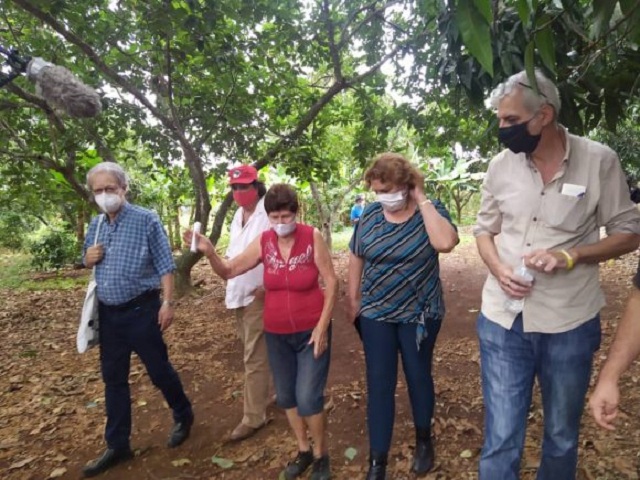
(136, 254)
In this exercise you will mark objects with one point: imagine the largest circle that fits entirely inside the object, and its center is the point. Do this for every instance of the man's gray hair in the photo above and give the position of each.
(547, 92)
(113, 169)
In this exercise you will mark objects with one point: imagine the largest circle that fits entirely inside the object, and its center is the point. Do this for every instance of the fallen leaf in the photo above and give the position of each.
(466, 453)
(222, 462)
(350, 453)
(181, 462)
(58, 472)
(21, 463)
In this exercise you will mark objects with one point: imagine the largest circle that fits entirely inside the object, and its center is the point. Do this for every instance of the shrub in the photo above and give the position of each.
(53, 250)
(13, 229)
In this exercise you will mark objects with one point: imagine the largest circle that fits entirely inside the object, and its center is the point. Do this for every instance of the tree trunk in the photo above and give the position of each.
(326, 233)
(186, 261)
(323, 213)
(175, 219)
(80, 224)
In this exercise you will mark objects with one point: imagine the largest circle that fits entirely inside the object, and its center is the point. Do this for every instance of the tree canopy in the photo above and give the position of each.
(197, 85)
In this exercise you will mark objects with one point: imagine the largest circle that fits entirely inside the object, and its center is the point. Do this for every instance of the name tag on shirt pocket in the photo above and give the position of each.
(573, 190)
(565, 212)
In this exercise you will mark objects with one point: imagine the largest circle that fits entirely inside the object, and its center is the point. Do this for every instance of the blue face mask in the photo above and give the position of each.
(518, 139)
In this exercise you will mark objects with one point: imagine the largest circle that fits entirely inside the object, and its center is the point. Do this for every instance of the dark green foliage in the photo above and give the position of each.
(53, 250)
(13, 228)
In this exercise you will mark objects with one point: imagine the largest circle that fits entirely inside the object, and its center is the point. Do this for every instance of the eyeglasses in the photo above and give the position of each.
(98, 191)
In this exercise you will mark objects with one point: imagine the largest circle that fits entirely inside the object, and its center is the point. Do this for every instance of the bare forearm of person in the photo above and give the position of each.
(354, 276)
(611, 247)
(330, 295)
(489, 253)
(167, 281)
(626, 343)
(219, 265)
(442, 235)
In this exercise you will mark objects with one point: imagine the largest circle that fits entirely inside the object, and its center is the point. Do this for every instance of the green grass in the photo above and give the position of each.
(14, 267)
(341, 239)
(17, 274)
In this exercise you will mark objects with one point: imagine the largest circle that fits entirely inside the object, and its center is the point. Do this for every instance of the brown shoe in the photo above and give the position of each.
(243, 431)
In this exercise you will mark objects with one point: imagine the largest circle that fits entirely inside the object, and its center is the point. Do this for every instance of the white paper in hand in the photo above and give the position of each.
(194, 239)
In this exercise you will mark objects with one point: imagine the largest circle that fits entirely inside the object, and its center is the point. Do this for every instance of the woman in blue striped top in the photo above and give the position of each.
(395, 295)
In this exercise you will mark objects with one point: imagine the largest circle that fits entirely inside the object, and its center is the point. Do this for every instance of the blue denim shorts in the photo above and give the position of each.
(298, 377)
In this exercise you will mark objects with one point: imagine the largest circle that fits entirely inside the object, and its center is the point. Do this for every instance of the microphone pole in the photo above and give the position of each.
(60, 88)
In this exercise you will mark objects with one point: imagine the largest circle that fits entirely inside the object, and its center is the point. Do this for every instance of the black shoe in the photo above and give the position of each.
(424, 455)
(108, 459)
(179, 433)
(377, 466)
(298, 465)
(321, 470)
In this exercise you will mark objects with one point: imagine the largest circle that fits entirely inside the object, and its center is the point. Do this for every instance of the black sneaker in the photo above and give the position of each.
(320, 469)
(298, 465)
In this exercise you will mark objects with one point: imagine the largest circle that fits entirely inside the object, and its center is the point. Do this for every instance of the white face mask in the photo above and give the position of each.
(392, 202)
(284, 229)
(109, 202)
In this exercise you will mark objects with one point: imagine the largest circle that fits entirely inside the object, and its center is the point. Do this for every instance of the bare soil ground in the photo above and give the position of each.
(52, 409)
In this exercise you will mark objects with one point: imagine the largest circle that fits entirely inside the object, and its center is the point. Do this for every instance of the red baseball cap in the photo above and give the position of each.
(243, 174)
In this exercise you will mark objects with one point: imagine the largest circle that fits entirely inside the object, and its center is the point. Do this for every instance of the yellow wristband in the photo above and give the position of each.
(569, 258)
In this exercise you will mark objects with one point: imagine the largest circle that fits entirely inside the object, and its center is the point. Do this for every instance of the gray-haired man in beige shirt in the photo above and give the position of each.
(544, 200)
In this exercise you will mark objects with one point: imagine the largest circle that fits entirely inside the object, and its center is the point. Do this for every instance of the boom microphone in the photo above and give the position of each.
(62, 90)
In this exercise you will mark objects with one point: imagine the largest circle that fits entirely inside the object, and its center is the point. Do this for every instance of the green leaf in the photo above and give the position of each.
(476, 34)
(546, 46)
(484, 7)
(602, 11)
(524, 11)
(530, 66)
(350, 453)
(222, 462)
(630, 8)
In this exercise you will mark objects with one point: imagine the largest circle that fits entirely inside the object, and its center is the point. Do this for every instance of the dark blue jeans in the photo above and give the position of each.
(511, 360)
(299, 378)
(127, 330)
(382, 341)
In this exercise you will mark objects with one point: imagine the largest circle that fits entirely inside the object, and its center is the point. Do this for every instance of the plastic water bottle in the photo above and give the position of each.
(516, 305)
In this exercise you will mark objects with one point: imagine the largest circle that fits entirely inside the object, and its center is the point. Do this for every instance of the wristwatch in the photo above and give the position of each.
(171, 303)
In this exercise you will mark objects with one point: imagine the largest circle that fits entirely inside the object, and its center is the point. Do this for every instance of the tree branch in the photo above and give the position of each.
(374, 68)
(95, 58)
(192, 158)
(38, 102)
(374, 13)
(333, 50)
(200, 143)
(172, 106)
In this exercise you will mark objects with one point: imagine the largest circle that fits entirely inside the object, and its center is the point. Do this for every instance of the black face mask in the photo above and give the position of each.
(518, 139)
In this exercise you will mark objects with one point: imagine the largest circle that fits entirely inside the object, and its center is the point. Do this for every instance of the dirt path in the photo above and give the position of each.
(51, 407)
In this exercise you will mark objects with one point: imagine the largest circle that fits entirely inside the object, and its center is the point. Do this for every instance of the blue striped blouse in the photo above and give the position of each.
(401, 275)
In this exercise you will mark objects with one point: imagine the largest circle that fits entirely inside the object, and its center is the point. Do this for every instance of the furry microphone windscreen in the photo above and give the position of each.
(62, 90)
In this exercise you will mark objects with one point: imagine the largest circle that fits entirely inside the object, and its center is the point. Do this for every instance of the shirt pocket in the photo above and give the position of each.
(565, 212)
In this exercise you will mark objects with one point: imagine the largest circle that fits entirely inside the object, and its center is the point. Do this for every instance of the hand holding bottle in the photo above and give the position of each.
(520, 283)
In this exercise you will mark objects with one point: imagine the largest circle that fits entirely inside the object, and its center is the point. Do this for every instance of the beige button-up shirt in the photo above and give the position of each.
(588, 192)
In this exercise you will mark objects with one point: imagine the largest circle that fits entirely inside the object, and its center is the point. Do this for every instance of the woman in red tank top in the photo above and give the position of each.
(297, 319)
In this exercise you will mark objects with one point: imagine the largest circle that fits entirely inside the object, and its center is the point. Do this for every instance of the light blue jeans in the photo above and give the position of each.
(510, 361)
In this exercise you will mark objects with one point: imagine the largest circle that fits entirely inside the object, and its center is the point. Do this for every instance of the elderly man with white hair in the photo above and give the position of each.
(134, 276)
(544, 200)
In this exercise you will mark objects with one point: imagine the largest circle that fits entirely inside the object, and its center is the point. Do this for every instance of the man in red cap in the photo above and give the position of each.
(245, 297)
